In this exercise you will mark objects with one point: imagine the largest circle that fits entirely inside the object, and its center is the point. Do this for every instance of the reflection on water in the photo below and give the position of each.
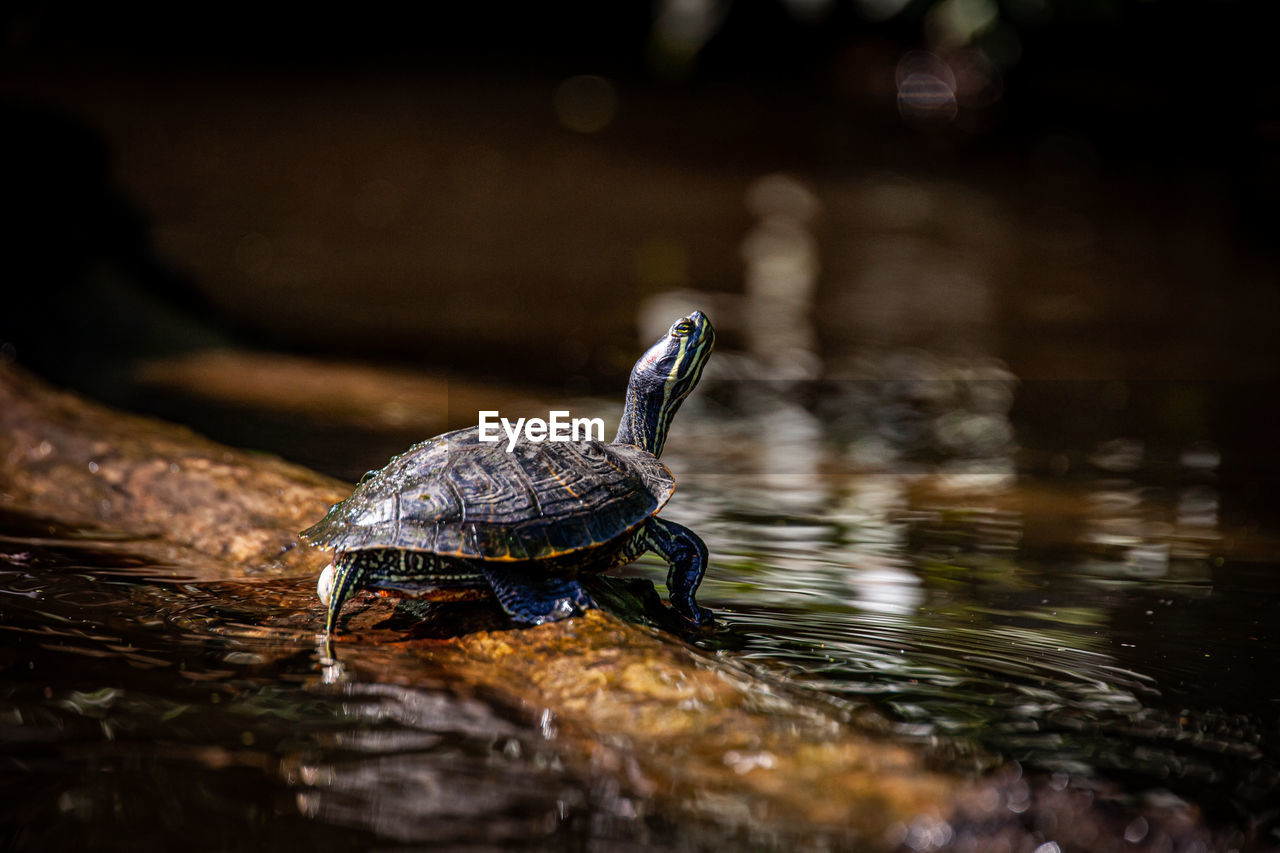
(1151, 531)
(422, 765)
(874, 528)
(1087, 653)
(133, 711)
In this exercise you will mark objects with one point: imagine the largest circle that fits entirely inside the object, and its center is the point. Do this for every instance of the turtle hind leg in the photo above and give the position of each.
(535, 599)
(686, 555)
(342, 579)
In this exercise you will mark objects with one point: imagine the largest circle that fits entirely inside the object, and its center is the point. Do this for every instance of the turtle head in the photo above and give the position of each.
(662, 378)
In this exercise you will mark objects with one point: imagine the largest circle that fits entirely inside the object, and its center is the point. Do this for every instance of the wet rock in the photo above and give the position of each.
(184, 499)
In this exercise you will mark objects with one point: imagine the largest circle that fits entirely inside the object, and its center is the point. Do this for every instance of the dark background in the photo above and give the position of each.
(395, 186)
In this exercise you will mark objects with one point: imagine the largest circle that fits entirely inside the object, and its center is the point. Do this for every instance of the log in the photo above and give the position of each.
(695, 734)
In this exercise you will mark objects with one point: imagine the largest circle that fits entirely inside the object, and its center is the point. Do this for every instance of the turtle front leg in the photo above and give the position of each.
(340, 580)
(686, 555)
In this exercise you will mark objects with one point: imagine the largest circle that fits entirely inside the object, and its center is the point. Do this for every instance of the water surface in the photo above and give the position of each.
(1107, 618)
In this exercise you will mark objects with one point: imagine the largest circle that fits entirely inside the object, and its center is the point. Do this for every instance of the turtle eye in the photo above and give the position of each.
(684, 327)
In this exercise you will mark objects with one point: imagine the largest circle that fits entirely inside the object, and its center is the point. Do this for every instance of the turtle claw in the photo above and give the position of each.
(704, 617)
(695, 614)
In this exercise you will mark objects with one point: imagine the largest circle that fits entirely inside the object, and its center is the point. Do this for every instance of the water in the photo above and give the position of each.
(1110, 617)
(1101, 622)
(132, 712)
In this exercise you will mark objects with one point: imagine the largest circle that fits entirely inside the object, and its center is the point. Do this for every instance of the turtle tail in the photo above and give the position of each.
(341, 580)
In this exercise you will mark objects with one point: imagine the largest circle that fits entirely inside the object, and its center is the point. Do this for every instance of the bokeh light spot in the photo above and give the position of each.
(926, 88)
(680, 29)
(923, 62)
(782, 195)
(952, 23)
(926, 97)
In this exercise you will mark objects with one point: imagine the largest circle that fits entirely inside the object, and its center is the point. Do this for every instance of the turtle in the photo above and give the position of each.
(455, 517)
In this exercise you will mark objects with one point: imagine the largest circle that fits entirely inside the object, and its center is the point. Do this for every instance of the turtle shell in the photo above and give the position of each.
(456, 496)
